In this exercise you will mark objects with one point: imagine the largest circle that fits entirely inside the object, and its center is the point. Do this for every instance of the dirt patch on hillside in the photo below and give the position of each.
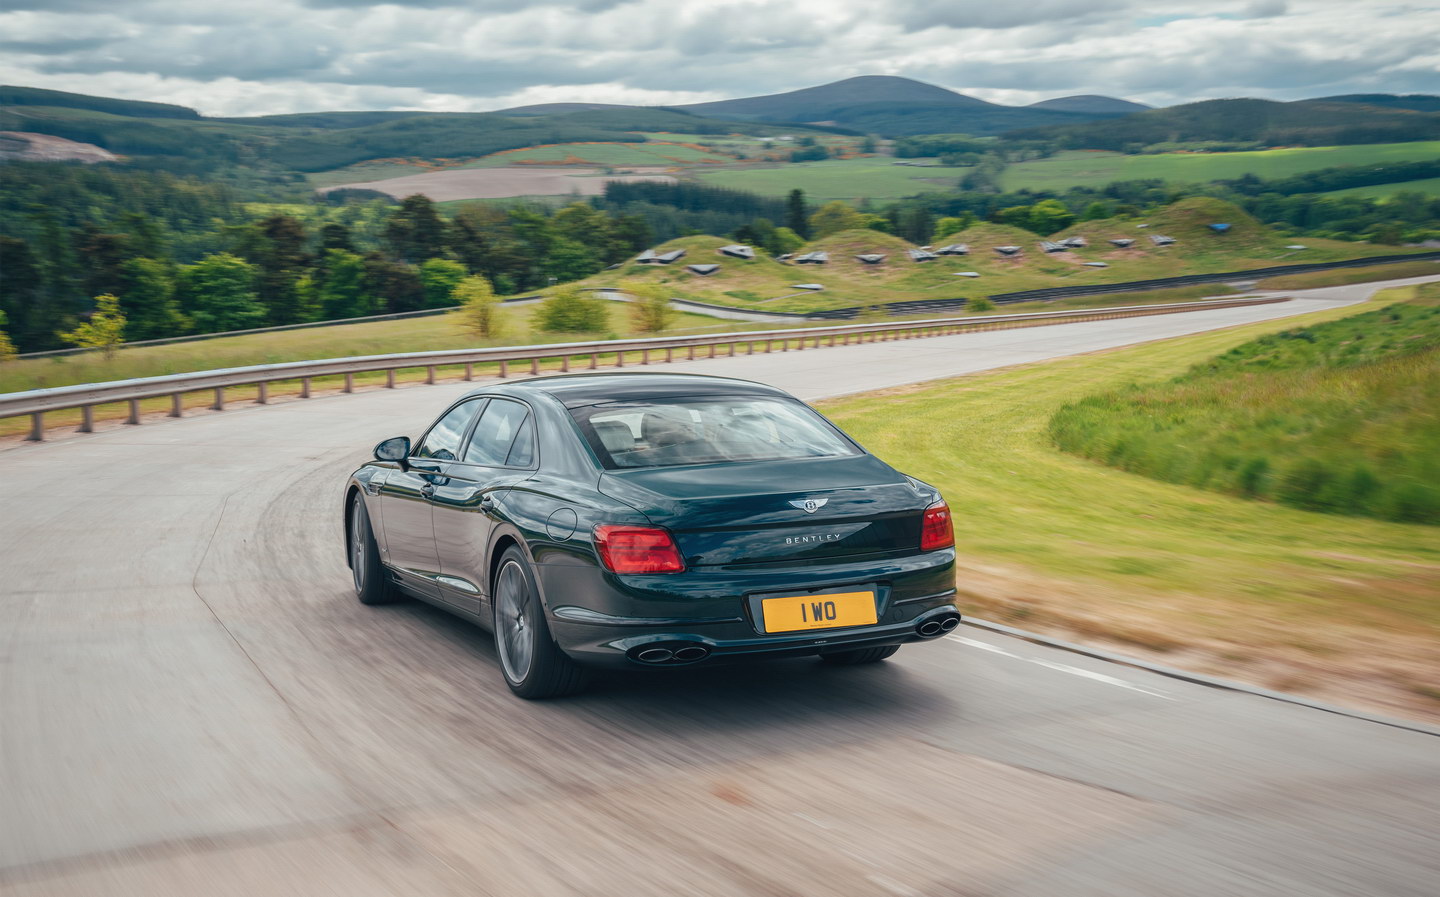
(497, 183)
(27, 147)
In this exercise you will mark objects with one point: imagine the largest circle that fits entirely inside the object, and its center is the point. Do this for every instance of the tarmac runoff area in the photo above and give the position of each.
(192, 702)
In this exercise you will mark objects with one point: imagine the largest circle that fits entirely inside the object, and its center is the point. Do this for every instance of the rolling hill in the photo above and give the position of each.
(884, 104)
(1092, 104)
(1263, 122)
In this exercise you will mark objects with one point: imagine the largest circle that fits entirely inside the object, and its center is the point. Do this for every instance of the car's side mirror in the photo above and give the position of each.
(396, 448)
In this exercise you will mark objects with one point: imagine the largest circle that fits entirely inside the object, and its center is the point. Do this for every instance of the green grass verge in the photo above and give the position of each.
(1137, 553)
(1337, 417)
(1096, 169)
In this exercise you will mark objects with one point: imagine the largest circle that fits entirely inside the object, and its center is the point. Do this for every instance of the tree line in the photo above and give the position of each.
(276, 270)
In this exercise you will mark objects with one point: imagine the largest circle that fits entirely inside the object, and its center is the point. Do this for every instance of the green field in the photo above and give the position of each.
(1047, 540)
(1096, 169)
(873, 177)
(1427, 186)
(610, 154)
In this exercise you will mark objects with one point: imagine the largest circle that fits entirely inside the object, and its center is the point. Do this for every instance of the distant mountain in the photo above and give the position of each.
(559, 108)
(1266, 122)
(1416, 102)
(897, 107)
(1090, 103)
(35, 96)
(811, 103)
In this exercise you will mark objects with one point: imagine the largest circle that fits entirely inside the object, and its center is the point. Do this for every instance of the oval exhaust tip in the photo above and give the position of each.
(655, 655)
(929, 627)
(692, 652)
(949, 623)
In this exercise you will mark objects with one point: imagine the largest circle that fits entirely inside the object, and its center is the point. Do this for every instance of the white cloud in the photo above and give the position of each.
(299, 55)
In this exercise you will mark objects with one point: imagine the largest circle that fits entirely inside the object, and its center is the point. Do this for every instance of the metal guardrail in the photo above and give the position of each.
(86, 396)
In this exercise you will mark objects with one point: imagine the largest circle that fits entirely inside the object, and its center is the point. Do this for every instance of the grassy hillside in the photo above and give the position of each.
(768, 284)
(1096, 169)
(1339, 418)
(1050, 541)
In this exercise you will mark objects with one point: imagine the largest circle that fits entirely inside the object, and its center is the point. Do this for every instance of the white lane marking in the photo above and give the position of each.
(1060, 667)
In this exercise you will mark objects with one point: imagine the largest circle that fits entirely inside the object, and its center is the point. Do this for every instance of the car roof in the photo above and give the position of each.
(576, 390)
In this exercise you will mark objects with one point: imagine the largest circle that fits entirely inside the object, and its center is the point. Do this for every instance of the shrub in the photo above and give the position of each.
(980, 304)
(569, 312)
(479, 307)
(650, 311)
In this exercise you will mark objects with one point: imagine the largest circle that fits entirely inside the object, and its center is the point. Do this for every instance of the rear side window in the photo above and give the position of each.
(494, 435)
(443, 441)
(522, 450)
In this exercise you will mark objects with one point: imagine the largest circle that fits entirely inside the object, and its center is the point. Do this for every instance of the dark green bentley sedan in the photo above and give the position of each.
(651, 520)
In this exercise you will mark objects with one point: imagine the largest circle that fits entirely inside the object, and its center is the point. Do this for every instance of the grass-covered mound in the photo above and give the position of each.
(1342, 417)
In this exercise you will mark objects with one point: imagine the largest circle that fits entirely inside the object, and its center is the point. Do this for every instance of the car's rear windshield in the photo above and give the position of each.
(668, 432)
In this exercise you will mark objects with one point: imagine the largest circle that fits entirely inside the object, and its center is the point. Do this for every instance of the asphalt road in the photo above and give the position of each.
(192, 702)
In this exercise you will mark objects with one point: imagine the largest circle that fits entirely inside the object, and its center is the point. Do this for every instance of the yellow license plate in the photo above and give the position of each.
(800, 612)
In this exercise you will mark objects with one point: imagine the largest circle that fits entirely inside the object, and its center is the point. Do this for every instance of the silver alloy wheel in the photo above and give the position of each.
(357, 545)
(513, 624)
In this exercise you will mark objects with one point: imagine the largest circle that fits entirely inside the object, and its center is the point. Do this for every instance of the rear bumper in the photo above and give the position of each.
(625, 616)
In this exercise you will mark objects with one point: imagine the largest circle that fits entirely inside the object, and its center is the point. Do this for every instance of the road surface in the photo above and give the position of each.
(192, 702)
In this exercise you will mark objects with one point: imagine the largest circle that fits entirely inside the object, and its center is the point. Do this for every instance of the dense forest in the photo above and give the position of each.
(186, 257)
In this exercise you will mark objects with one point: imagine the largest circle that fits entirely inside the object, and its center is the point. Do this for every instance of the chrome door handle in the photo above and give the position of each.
(487, 502)
(428, 490)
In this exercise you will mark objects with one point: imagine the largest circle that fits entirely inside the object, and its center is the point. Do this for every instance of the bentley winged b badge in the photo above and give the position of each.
(810, 505)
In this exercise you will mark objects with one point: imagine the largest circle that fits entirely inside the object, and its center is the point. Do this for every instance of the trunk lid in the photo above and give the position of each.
(756, 512)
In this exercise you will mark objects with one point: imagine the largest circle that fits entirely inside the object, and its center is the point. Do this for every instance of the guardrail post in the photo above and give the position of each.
(800, 345)
(304, 387)
(262, 396)
(219, 403)
(669, 354)
(565, 363)
(645, 356)
(504, 368)
(87, 419)
(390, 379)
(712, 351)
(37, 427)
(769, 346)
(749, 348)
(177, 404)
(469, 371)
(534, 366)
(430, 374)
(134, 416)
(690, 355)
(594, 360)
(620, 358)
(349, 382)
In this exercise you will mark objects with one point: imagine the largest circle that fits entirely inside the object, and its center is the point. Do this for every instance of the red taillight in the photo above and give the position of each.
(935, 530)
(637, 549)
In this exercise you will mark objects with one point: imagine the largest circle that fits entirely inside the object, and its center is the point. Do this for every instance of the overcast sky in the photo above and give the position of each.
(247, 57)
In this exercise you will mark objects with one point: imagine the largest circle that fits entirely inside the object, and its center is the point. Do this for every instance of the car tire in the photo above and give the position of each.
(859, 655)
(372, 583)
(532, 664)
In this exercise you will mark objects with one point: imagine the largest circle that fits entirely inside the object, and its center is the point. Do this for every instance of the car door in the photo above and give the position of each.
(499, 453)
(405, 496)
